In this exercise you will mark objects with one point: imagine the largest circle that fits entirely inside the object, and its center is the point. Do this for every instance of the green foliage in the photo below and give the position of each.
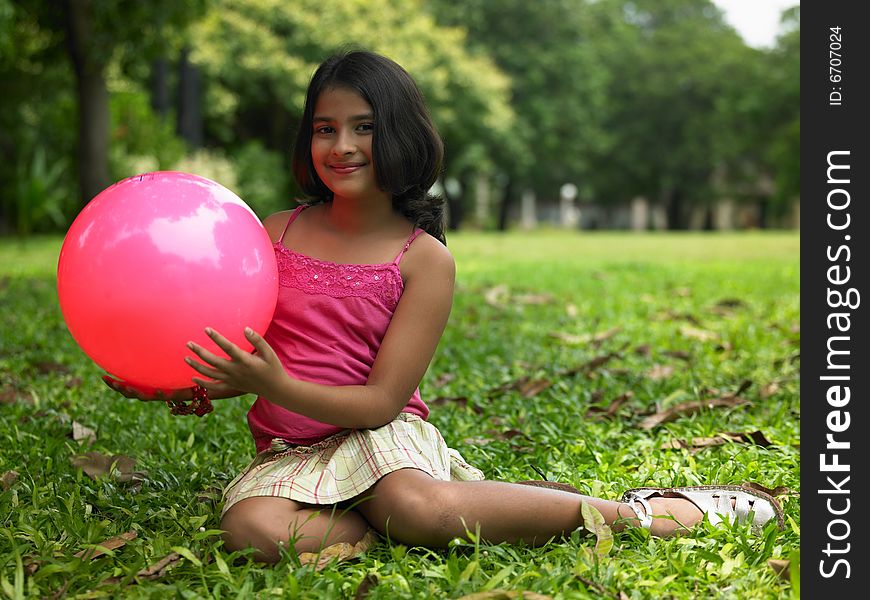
(649, 286)
(142, 141)
(261, 55)
(263, 181)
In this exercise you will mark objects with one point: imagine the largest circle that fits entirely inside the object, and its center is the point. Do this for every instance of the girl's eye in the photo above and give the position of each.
(366, 127)
(323, 130)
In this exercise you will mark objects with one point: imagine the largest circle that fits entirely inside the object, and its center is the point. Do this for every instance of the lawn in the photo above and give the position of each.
(601, 360)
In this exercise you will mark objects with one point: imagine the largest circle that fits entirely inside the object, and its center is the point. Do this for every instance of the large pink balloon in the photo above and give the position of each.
(151, 262)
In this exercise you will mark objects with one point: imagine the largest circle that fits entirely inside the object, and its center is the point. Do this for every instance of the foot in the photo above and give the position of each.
(670, 511)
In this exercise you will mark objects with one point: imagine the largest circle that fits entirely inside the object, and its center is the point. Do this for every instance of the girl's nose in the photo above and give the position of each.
(344, 145)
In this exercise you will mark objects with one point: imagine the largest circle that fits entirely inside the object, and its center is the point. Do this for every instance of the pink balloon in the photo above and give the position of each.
(151, 262)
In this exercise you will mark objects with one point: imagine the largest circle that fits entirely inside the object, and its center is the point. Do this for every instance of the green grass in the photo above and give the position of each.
(720, 309)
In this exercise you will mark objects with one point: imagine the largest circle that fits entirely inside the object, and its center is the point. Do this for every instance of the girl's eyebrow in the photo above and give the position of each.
(362, 117)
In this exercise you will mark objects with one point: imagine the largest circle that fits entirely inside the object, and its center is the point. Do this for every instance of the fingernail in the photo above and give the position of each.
(208, 331)
(249, 331)
(190, 345)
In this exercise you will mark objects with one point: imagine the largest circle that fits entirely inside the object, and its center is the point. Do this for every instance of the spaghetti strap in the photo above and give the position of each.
(292, 218)
(407, 245)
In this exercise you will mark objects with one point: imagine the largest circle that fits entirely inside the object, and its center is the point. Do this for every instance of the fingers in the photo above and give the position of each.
(261, 346)
(233, 351)
(131, 391)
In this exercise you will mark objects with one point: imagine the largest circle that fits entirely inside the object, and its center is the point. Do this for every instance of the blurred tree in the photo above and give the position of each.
(94, 31)
(258, 57)
(678, 70)
(558, 88)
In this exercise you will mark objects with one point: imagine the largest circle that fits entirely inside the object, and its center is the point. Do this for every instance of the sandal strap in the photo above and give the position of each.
(632, 500)
(716, 502)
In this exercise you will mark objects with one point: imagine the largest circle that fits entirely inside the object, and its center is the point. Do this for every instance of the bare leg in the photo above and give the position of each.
(265, 522)
(413, 508)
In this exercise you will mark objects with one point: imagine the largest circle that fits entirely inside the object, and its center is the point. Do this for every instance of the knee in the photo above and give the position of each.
(243, 529)
(431, 509)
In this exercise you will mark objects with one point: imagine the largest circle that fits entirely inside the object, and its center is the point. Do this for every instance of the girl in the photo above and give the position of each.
(366, 289)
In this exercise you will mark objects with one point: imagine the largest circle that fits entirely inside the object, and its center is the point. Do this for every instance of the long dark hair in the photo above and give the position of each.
(407, 148)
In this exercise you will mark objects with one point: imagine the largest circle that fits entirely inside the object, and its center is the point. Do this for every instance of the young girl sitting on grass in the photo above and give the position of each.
(366, 287)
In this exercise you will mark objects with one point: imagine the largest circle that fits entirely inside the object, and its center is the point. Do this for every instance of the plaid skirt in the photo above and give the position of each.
(348, 463)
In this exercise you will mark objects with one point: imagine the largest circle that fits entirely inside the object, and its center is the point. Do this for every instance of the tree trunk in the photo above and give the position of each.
(160, 86)
(189, 101)
(507, 201)
(92, 98)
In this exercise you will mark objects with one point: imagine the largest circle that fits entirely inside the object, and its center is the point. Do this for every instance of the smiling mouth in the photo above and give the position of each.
(344, 169)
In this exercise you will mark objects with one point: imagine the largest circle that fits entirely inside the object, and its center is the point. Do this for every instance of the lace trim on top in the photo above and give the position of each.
(314, 276)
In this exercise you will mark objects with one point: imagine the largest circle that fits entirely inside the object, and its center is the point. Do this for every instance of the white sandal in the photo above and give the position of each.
(715, 501)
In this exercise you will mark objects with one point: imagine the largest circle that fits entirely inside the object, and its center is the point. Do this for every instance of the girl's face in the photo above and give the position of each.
(341, 144)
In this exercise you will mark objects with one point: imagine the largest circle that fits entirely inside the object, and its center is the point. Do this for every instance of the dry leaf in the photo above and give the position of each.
(531, 388)
(159, 568)
(571, 310)
(80, 433)
(8, 479)
(341, 551)
(47, 367)
(595, 339)
(768, 390)
(698, 443)
(689, 408)
(96, 464)
(110, 544)
(658, 372)
(701, 335)
(536, 299)
(443, 379)
(610, 411)
(781, 567)
(460, 400)
(365, 586)
(497, 296)
(643, 350)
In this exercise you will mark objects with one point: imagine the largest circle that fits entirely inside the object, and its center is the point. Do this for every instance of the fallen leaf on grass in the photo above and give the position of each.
(699, 443)
(460, 400)
(159, 568)
(610, 411)
(595, 339)
(96, 464)
(80, 433)
(8, 479)
(10, 394)
(701, 335)
(47, 367)
(106, 546)
(781, 567)
(365, 586)
(341, 551)
(443, 379)
(689, 408)
(727, 306)
(671, 315)
(505, 595)
(659, 372)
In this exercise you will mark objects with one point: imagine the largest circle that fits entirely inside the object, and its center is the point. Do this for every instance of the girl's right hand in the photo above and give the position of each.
(147, 394)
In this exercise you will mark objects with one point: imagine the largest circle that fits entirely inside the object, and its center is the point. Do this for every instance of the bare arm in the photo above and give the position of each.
(404, 355)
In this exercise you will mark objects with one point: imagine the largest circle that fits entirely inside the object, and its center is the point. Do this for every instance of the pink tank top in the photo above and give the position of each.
(327, 329)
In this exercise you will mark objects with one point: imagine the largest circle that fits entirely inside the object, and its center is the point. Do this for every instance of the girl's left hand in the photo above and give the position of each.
(256, 373)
